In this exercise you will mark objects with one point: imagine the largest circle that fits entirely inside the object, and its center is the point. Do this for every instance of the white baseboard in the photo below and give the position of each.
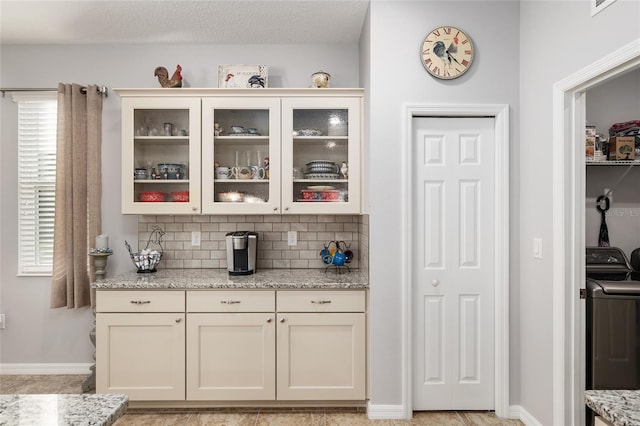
(79, 368)
(376, 412)
(517, 412)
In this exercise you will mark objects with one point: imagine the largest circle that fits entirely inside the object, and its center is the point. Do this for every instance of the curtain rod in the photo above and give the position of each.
(101, 89)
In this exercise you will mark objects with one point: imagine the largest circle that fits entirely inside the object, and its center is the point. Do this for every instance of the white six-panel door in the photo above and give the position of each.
(453, 276)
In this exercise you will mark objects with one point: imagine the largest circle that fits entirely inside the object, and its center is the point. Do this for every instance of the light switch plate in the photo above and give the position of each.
(537, 248)
(195, 238)
(292, 238)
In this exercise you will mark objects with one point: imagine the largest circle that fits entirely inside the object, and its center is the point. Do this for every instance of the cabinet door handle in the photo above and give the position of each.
(275, 209)
(140, 302)
(286, 209)
(229, 302)
(269, 320)
(194, 208)
(281, 319)
(321, 302)
(178, 320)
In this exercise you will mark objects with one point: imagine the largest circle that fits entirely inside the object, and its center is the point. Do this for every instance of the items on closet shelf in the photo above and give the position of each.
(627, 132)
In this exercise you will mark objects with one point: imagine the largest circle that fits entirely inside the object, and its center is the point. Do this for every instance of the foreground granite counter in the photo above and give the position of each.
(62, 409)
(220, 279)
(620, 407)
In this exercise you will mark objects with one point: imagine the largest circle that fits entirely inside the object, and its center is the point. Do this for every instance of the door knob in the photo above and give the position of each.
(435, 283)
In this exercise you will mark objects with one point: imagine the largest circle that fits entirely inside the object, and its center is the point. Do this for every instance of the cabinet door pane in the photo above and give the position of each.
(230, 357)
(241, 155)
(321, 155)
(160, 155)
(141, 355)
(321, 356)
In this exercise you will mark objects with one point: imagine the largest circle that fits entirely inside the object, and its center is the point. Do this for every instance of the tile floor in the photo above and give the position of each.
(10, 384)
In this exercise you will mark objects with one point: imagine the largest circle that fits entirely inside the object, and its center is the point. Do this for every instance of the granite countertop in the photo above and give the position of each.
(62, 409)
(620, 407)
(220, 279)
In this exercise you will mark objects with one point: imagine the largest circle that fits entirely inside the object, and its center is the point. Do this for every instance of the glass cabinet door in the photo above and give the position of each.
(160, 156)
(241, 155)
(321, 155)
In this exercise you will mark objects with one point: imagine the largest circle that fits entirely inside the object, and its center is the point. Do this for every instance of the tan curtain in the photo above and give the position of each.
(78, 193)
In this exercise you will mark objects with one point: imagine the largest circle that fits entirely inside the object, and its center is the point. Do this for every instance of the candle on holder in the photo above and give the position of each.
(102, 241)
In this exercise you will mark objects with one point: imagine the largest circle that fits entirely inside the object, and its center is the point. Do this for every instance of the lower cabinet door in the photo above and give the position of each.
(321, 356)
(231, 356)
(141, 355)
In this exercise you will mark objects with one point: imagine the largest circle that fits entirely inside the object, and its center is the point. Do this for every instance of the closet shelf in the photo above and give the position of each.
(613, 163)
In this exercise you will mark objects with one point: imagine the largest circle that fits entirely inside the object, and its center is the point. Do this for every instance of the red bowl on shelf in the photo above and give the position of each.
(180, 196)
(323, 195)
(330, 195)
(153, 197)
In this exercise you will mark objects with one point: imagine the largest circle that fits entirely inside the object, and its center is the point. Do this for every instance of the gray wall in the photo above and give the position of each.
(523, 48)
(397, 77)
(35, 333)
(557, 39)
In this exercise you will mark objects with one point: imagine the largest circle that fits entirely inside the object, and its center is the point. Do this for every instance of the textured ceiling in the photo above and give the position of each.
(181, 21)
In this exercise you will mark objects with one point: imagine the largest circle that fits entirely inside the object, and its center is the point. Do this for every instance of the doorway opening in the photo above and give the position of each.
(569, 120)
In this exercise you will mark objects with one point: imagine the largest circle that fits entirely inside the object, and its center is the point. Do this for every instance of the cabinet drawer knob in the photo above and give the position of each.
(269, 320)
(281, 319)
(321, 302)
(140, 302)
(194, 208)
(178, 320)
(275, 209)
(229, 302)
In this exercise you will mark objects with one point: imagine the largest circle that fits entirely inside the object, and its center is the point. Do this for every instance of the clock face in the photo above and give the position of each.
(447, 52)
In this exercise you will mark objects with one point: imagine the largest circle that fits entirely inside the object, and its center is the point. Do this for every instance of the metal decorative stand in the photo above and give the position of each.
(338, 269)
(100, 264)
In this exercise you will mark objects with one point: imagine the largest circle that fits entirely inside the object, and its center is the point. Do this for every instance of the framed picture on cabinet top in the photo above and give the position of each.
(598, 5)
(243, 76)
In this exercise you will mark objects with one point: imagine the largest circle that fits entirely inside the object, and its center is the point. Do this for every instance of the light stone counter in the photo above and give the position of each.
(620, 407)
(220, 279)
(62, 409)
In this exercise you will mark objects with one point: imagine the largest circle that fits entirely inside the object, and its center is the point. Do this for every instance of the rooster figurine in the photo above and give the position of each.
(163, 77)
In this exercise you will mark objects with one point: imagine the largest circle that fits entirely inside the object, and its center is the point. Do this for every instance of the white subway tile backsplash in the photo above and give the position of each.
(314, 233)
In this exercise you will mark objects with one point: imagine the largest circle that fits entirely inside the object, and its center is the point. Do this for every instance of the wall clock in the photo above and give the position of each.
(447, 52)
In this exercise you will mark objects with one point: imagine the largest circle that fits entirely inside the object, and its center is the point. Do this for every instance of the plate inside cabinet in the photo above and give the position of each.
(321, 187)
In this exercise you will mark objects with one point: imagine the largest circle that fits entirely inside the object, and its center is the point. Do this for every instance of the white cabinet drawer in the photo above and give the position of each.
(231, 301)
(140, 301)
(321, 301)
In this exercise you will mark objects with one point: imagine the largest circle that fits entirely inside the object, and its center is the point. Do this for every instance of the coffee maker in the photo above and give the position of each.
(242, 249)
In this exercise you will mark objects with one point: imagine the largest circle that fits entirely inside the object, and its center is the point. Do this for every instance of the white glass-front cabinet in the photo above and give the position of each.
(241, 155)
(321, 144)
(160, 155)
(224, 151)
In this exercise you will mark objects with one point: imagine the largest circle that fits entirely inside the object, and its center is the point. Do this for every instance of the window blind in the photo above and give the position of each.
(37, 123)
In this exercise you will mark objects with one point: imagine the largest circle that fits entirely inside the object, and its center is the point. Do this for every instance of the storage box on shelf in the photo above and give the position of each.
(622, 148)
(272, 146)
